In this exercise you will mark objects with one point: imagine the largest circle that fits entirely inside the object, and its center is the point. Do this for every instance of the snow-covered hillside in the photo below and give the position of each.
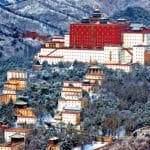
(54, 16)
(7, 2)
(48, 17)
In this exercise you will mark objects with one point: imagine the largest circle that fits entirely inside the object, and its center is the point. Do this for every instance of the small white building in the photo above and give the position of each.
(71, 115)
(16, 74)
(79, 103)
(12, 131)
(73, 93)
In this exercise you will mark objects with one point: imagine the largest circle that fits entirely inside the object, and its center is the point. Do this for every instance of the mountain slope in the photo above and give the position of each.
(108, 6)
(24, 23)
(54, 16)
(8, 2)
(134, 14)
(51, 17)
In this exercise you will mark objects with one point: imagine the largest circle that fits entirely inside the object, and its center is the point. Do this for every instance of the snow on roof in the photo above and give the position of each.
(95, 67)
(17, 136)
(137, 25)
(54, 138)
(72, 108)
(19, 102)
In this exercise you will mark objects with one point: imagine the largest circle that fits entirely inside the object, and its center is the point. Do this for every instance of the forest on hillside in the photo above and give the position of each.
(135, 15)
(123, 100)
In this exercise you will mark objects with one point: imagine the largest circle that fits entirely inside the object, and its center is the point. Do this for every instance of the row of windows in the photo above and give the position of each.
(87, 54)
(90, 28)
(100, 36)
(132, 43)
(25, 119)
(68, 116)
(72, 89)
(71, 102)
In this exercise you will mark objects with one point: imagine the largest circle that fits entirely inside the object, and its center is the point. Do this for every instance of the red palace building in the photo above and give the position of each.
(97, 31)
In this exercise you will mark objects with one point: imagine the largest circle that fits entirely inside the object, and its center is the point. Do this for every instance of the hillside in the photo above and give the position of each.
(54, 16)
(51, 17)
(134, 14)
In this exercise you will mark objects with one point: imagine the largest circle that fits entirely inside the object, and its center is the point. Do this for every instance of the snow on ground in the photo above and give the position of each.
(93, 146)
(47, 118)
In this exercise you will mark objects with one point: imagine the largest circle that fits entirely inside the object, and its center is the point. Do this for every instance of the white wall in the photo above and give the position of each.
(138, 54)
(27, 120)
(70, 55)
(69, 103)
(126, 57)
(132, 39)
(16, 74)
(112, 54)
(7, 91)
(147, 39)
(69, 118)
(45, 51)
(67, 40)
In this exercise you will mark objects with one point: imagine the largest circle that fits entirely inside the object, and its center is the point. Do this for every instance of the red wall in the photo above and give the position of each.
(96, 35)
